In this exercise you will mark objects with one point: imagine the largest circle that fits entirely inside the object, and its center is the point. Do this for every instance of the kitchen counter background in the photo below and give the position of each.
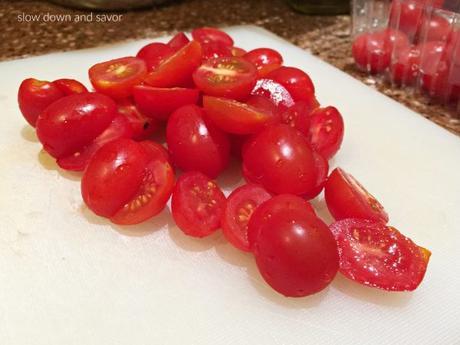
(326, 37)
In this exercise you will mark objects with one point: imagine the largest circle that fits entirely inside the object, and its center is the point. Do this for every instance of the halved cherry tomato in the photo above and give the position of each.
(298, 116)
(159, 103)
(265, 60)
(241, 204)
(236, 117)
(178, 68)
(116, 78)
(143, 126)
(280, 159)
(34, 96)
(322, 170)
(326, 131)
(296, 81)
(237, 51)
(127, 181)
(377, 255)
(215, 50)
(195, 144)
(295, 251)
(347, 198)
(154, 53)
(197, 204)
(70, 86)
(208, 34)
(179, 41)
(275, 92)
(230, 77)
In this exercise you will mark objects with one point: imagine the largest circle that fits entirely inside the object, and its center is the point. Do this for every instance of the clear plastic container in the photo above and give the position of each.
(410, 43)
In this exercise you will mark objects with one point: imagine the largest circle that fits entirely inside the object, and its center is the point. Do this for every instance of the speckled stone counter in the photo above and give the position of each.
(327, 37)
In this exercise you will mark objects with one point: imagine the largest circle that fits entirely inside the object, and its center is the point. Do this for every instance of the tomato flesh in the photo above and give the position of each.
(197, 204)
(142, 126)
(154, 53)
(298, 116)
(265, 60)
(377, 255)
(208, 35)
(237, 51)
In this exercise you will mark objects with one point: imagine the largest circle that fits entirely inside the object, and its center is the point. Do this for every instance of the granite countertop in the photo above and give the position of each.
(326, 37)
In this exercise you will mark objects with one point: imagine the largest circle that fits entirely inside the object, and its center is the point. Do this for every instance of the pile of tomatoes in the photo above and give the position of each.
(214, 100)
(419, 47)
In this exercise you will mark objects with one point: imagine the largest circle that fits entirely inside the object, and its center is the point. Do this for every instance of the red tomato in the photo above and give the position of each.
(34, 96)
(298, 116)
(179, 41)
(237, 143)
(405, 68)
(241, 204)
(377, 255)
(178, 68)
(295, 251)
(207, 34)
(347, 198)
(213, 50)
(116, 78)
(237, 118)
(280, 159)
(322, 170)
(265, 59)
(73, 122)
(70, 86)
(406, 16)
(159, 103)
(127, 181)
(443, 84)
(275, 92)
(195, 144)
(434, 28)
(236, 51)
(326, 131)
(431, 54)
(296, 81)
(154, 53)
(230, 77)
(197, 204)
(143, 127)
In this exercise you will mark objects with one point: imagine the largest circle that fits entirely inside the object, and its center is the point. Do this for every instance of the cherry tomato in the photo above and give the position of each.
(154, 53)
(127, 181)
(326, 131)
(322, 170)
(159, 103)
(179, 41)
(237, 51)
(295, 251)
(70, 86)
(406, 15)
(230, 77)
(347, 198)
(435, 28)
(377, 255)
(178, 68)
(443, 84)
(280, 159)
(405, 68)
(142, 126)
(237, 143)
(207, 34)
(241, 204)
(275, 92)
(116, 78)
(298, 116)
(296, 81)
(215, 50)
(431, 53)
(34, 96)
(197, 204)
(195, 144)
(236, 117)
(265, 59)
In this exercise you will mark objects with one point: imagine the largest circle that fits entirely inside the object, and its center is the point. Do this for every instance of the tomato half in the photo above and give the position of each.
(70, 86)
(159, 103)
(377, 255)
(265, 60)
(142, 126)
(154, 53)
(197, 204)
(275, 92)
(241, 204)
(208, 34)
(237, 51)
(298, 116)
(195, 144)
(34, 96)
(295, 251)
(347, 198)
(215, 50)
(296, 81)
(236, 117)
(116, 78)
(230, 77)
(322, 170)
(179, 41)
(178, 68)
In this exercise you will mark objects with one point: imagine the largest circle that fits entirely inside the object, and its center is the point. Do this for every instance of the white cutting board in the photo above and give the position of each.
(68, 277)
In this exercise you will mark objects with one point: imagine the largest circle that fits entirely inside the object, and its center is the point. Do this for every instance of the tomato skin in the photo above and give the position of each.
(436, 28)
(280, 159)
(405, 68)
(159, 103)
(213, 50)
(322, 170)
(241, 204)
(34, 96)
(377, 255)
(295, 251)
(154, 53)
(236, 117)
(72, 122)
(229, 77)
(265, 60)
(208, 34)
(347, 198)
(179, 41)
(197, 204)
(275, 92)
(298, 116)
(142, 126)
(178, 68)
(296, 81)
(70, 86)
(116, 78)
(195, 144)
